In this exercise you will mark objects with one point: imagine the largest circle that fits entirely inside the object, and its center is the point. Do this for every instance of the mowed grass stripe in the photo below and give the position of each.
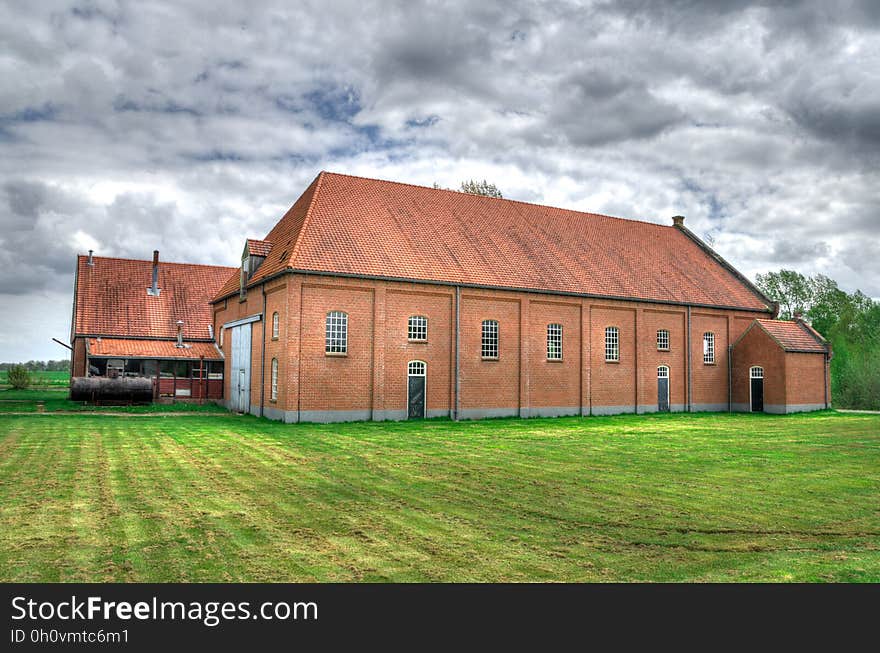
(670, 497)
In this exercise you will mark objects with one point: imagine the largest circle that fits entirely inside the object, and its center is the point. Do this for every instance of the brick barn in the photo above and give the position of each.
(145, 319)
(380, 300)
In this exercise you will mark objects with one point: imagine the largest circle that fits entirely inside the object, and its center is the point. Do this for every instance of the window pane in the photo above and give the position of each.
(274, 378)
(612, 344)
(337, 333)
(554, 342)
(663, 339)
(490, 339)
(708, 348)
(418, 328)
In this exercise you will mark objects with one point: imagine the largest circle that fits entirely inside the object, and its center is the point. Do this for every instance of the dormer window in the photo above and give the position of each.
(255, 252)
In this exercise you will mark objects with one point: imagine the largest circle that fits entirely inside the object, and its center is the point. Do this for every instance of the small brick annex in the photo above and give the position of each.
(775, 367)
(590, 315)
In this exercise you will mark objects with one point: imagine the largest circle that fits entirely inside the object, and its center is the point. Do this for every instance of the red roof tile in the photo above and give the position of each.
(258, 247)
(356, 226)
(111, 298)
(127, 348)
(793, 336)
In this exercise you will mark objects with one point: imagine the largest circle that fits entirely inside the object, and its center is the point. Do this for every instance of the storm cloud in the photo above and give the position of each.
(127, 127)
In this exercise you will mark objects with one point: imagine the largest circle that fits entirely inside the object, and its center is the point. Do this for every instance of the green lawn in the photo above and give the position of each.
(655, 498)
(56, 400)
(43, 379)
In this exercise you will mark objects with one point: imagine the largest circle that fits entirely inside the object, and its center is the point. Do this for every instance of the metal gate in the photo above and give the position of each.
(240, 378)
(415, 391)
(663, 389)
(756, 388)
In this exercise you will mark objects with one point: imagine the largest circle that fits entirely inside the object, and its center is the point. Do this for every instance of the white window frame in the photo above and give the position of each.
(554, 341)
(274, 393)
(336, 333)
(663, 372)
(708, 348)
(275, 325)
(417, 328)
(490, 333)
(612, 344)
(662, 339)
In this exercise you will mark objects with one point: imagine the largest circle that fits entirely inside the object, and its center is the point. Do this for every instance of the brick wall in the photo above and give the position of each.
(758, 348)
(802, 371)
(371, 380)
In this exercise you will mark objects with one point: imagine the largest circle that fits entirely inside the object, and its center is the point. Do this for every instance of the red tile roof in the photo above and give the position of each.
(111, 298)
(258, 247)
(794, 336)
(357, 226)
(128, 348)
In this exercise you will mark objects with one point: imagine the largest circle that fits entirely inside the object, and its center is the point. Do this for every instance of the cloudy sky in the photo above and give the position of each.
(186, 127)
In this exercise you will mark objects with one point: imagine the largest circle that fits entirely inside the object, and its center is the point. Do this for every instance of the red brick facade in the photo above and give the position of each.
(795, 373)
(379, 253)
(370, 381)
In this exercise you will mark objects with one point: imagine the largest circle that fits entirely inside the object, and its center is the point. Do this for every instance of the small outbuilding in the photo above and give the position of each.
(774, 365)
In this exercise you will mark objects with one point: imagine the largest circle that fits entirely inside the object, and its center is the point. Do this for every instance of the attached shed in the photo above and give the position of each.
(780, 366)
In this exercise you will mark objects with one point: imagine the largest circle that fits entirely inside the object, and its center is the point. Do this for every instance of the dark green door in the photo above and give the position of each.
(663, 395)
(416, 397)
(757, 395)
(663, 389)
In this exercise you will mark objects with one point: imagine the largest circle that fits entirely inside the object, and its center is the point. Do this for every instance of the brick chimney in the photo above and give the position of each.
(678, 221)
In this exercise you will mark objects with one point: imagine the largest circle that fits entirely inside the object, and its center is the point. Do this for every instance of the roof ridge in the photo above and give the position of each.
(299, 236)
(500, 199)
(140, 260)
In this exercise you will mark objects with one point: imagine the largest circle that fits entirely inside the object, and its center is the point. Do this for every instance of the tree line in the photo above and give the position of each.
(40, 366)
(850, 322)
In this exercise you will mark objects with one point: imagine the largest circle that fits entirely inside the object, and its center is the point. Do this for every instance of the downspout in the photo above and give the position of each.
(730, 378)
(263, 355)
(689, 384)
(825, 374)
(457, 410)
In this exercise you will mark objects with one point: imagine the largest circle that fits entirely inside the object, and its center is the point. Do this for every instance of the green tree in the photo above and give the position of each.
(485, 188)
(18, 377)
(791, 289)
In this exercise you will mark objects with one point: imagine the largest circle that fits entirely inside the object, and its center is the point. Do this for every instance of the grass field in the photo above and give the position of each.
(42, 379)
(230, 498)
(34, 400)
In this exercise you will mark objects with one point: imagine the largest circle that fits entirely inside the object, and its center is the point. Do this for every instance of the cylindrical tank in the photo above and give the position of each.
(97, 389)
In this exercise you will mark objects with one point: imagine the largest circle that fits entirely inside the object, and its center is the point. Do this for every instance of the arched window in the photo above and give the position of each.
(336, 341)
(274, 394)
(416, 368)
(756, 372)
(663, 372)
(275, 325)
(554, 342)
(489, 347)
(708, 348)
(417, 329)
(663, 340)
(612, 344)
